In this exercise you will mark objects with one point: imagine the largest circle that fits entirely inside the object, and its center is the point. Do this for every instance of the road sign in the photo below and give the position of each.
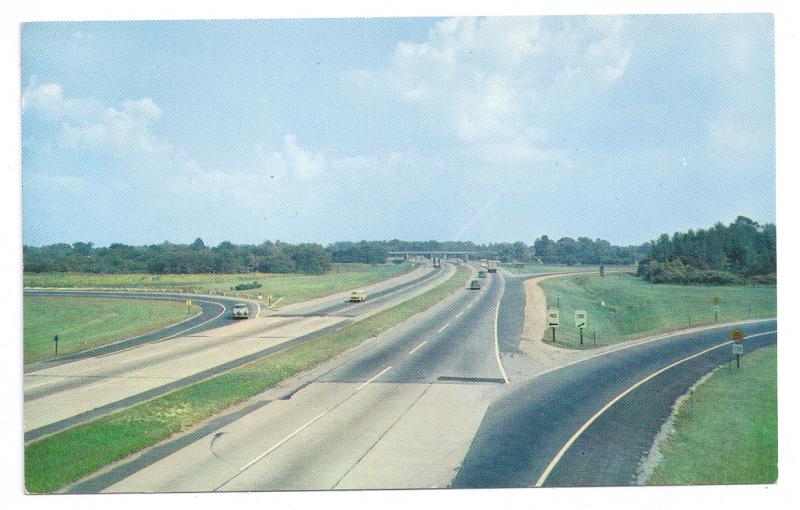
(737, 336)
(738, 348)
(552, 318)
(715, 300)
(580, 318)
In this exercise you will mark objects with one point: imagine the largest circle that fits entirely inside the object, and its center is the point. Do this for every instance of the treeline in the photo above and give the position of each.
(585, 251)
(169, 258)
(279, 257)
(742, 251)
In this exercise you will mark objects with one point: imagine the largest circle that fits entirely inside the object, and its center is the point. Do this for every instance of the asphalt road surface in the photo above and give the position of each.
(64, 395)
(400, 413)
(542, 432)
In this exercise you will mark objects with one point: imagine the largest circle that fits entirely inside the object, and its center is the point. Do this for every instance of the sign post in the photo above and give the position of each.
(55, 340)
(580, 321)
(552, 321)
(738, 347)
(188, 305)
(715, 301)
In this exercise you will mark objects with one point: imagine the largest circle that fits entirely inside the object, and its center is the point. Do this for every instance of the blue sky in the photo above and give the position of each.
(488, 129)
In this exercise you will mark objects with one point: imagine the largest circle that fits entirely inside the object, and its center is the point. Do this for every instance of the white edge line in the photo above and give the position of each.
(497, 343)
(577, 434)
(443, 327)
(282, 441)
(412, 351)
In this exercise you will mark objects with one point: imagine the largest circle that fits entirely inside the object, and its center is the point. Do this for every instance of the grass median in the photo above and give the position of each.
(57, 460)
(727, 431)
(293, 287)
(85, 322)
(621, 306)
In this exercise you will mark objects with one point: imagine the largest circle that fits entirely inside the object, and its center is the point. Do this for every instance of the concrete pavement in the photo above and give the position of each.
(372, 420)
(69, 393)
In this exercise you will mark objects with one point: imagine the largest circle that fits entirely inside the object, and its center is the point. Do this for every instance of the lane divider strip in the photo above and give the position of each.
(374, 377)
(282, 441)
(303, 427)
(417, 347)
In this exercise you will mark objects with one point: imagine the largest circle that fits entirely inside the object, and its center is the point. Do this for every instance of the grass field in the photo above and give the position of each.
(83, 323)
(727, 432)
(622, 306)
(62, 458)
(294, 287)
(548, 268)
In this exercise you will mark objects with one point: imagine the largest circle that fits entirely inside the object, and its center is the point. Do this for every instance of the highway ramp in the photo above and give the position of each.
(534, 434)
(215, 312)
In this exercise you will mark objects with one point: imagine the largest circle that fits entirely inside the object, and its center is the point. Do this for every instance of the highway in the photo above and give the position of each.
(546, 431)
(401, 411)
(73, 392)
(428, 404)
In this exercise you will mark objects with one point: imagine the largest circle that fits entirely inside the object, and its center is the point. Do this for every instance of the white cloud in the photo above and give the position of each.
(494, 81)
(49, 99)
(127, 129)
(83, 123)
(294, 160)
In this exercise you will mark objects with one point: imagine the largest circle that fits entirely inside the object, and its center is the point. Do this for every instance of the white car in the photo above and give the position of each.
(241, 311)
(358, 296)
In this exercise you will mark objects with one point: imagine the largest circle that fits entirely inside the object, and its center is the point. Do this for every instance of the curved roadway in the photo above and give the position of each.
(590, 423)
(216, 312)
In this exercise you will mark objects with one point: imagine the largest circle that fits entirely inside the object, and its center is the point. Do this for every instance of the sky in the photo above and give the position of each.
(482, 129)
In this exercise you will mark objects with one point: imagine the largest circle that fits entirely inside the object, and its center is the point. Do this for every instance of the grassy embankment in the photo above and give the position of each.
(293, 287)
(621, 306)
(727, 431)
(62, 458)
(83, 323)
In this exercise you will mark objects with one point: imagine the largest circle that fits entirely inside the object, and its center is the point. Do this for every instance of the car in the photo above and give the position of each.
(481, 274)
(358, 295)
(241, 311)
(475, 285)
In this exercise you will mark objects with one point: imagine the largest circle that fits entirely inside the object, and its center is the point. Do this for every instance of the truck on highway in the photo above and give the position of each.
(474, 285)
(241, 311)
(357, 296)
(437, 262)
(491, 266)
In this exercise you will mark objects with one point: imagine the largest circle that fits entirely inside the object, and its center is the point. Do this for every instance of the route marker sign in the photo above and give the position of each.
(580, 318)
(552, 318)
(580, 321)
(552, 321)
(738, 348)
